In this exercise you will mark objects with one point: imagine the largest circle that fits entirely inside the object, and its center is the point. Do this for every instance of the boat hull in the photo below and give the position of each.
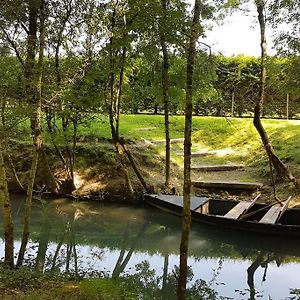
(253, 226)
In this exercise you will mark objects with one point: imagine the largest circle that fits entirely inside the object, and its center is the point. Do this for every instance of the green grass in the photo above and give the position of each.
(220, 133)
(28, 284)
(208, 133)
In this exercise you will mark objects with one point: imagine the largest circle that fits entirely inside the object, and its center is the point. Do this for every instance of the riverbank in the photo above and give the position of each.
(29, 284)
(99, 176)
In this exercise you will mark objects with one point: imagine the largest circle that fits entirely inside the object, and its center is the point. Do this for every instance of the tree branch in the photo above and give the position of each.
(13, 45)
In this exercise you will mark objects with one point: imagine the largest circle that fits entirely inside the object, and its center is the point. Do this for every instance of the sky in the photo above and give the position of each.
(238, 34)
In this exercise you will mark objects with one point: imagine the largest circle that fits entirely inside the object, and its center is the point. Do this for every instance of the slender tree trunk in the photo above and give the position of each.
(68, 184)
(148, 188)
(12, 167)
(186, 213)
(33, 74)
(232, 104)
(47, 175)
(287, 105)
(165, 89)
(112, 75)
(120, 90)
(6, 212)
(281, 169)
(3, 106)
(115, 101)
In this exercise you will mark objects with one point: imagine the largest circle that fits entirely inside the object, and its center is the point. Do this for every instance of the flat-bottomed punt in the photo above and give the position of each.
(247, 216)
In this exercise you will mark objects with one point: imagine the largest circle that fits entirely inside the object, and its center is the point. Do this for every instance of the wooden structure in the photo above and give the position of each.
(216, 168)
(228, 185)
(275, 213)
(231, 215)
(241, 208)
(172, 141)
(200, 153)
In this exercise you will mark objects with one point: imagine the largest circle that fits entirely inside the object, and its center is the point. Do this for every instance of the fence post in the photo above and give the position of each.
(232, 104)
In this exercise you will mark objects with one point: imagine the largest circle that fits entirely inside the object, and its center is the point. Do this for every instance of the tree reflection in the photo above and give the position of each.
(121, 262)
(147, 285)
(43, 241)
(262, 260)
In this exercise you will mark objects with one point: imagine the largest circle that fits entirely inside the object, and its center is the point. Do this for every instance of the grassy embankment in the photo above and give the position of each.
(95, 155)
(208, 133)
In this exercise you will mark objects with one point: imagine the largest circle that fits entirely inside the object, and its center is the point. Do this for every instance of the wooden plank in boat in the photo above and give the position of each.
(228, 185)
(275, 213)
(240, 208)
(216, 168)
(178, 200)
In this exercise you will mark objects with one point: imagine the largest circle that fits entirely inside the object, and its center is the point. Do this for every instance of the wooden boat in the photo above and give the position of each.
(247, 216)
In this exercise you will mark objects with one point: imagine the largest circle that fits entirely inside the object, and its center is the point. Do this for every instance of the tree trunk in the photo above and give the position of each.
(112, 75)
(186, 214)
(33, 74)
(165, 89)
(46, 173)
(3, 106)
(120, 89)
(281, 169)
(15, 175)
(6, 212)
(149, 189)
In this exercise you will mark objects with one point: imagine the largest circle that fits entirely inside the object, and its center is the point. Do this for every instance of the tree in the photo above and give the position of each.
(33, 74)
(186, 213)
(6, 211)
(165, 88)
(286, 12)
(281, 169)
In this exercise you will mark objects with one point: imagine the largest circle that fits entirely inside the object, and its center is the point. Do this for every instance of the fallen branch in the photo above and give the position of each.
(148, 188)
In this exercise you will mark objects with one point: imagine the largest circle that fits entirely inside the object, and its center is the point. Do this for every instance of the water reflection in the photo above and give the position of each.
(141, 246)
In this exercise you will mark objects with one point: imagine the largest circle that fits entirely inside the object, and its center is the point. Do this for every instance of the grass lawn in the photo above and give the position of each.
(208, 133)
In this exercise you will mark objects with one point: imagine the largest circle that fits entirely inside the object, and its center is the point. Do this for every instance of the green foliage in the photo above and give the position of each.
(24, 279)
(106, 289)
(284, 16)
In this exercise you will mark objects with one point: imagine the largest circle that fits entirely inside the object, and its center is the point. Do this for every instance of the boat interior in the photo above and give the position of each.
(263, 213)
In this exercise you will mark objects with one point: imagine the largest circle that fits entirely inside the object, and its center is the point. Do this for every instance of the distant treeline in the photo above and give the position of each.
(223, 85)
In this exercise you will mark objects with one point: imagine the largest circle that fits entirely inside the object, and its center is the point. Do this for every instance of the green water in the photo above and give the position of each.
(92, 239)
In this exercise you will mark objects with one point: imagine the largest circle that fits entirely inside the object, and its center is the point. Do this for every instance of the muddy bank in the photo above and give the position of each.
(97, 174)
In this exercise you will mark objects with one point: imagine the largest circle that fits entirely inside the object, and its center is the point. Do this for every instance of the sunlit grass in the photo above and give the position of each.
(208, 133)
